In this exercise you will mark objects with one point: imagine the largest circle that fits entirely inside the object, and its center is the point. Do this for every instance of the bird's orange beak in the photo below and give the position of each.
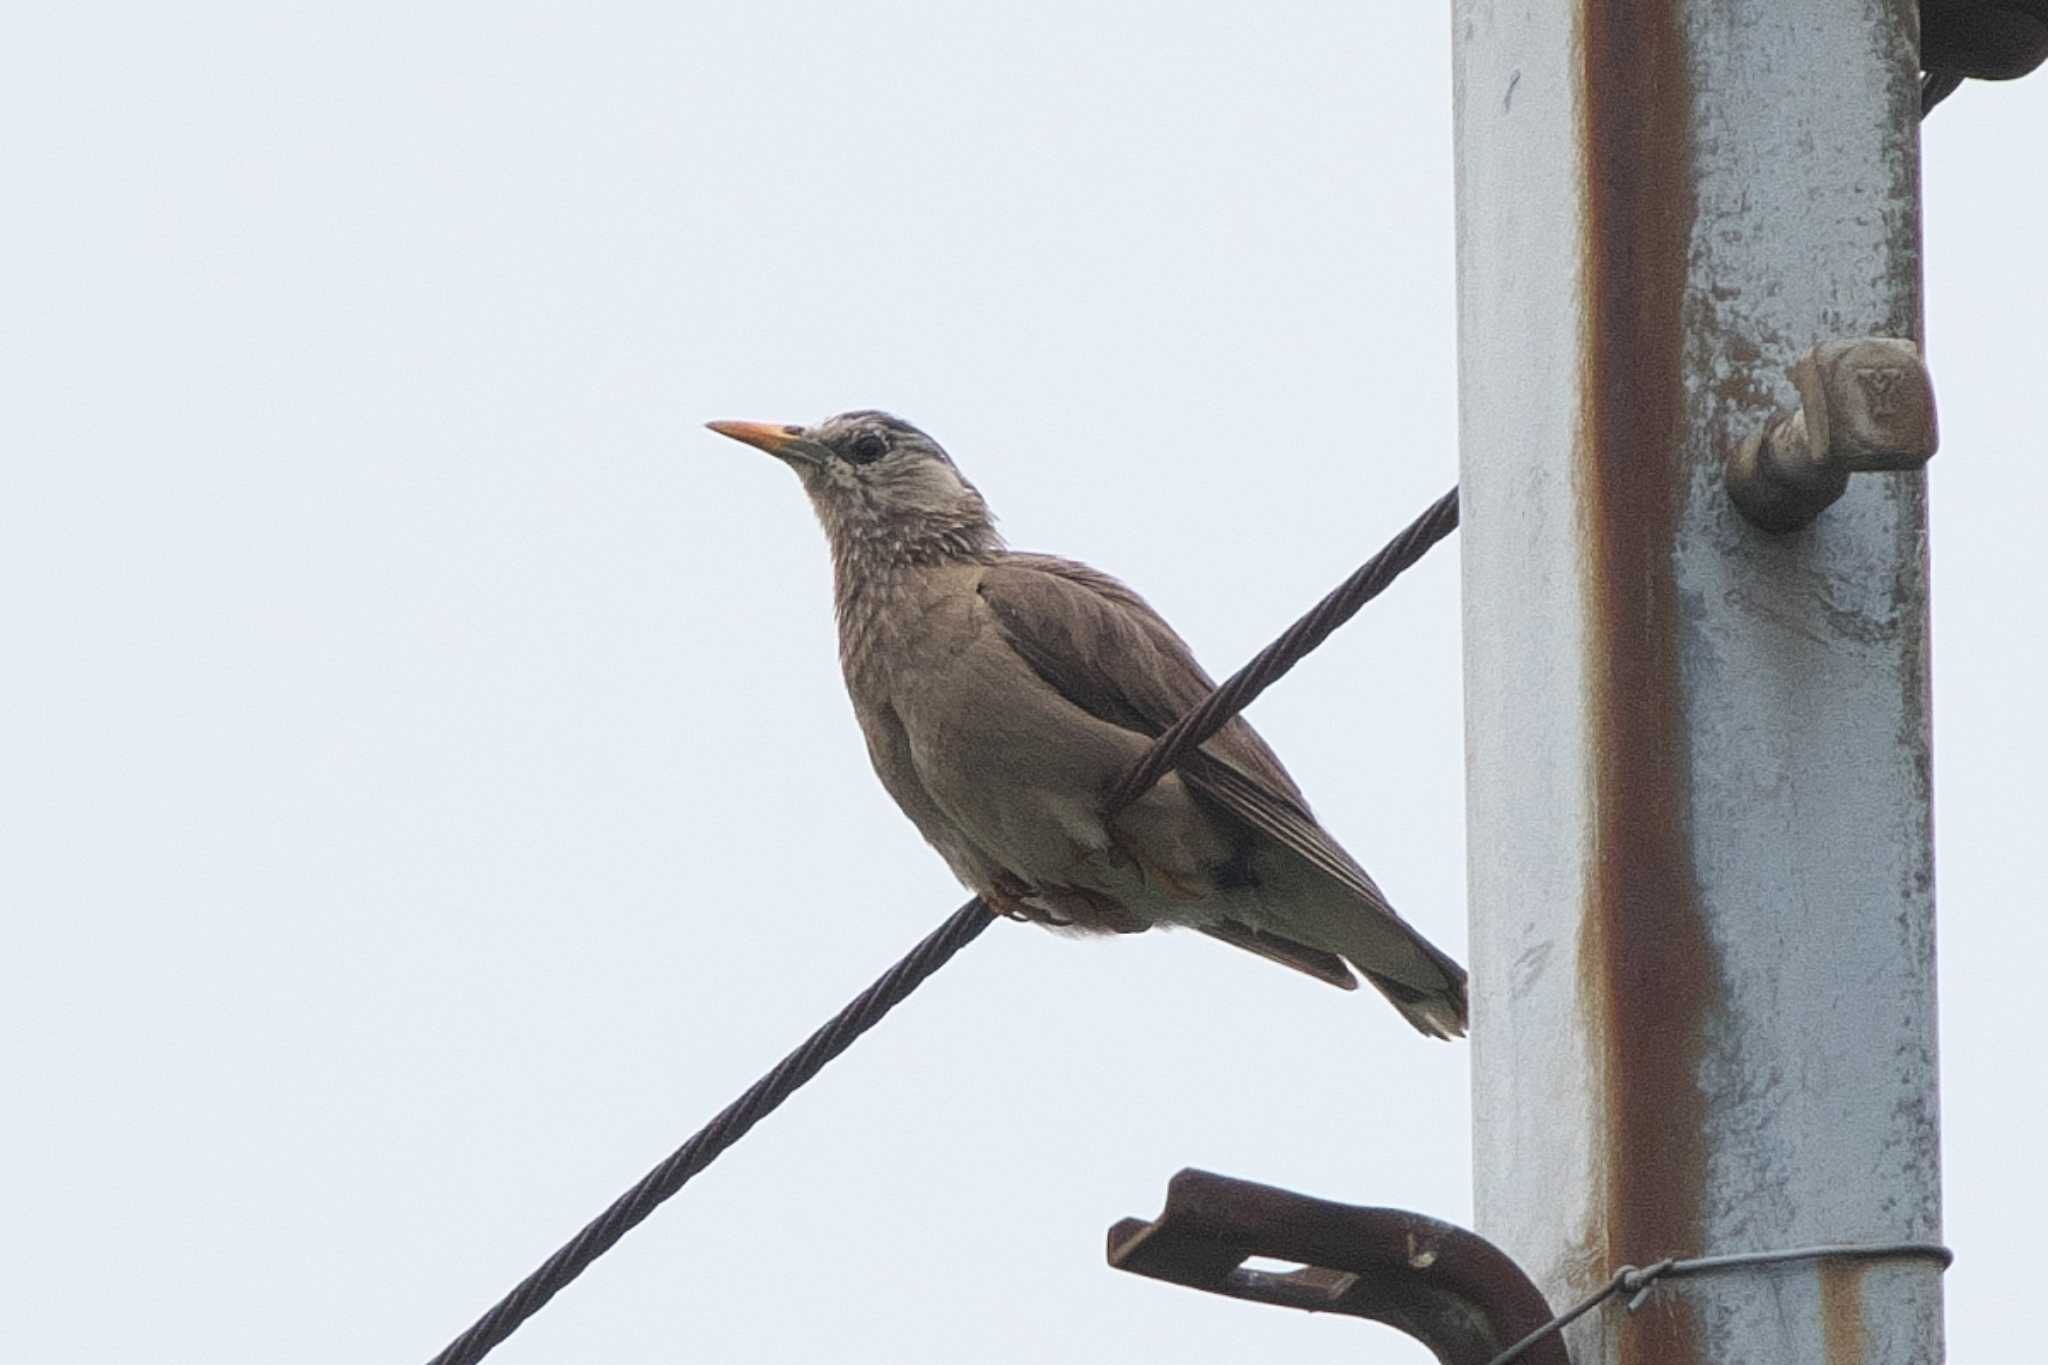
(776, 440)
(786, 443)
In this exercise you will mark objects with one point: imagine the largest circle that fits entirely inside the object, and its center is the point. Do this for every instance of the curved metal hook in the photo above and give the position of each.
(1450, 1289)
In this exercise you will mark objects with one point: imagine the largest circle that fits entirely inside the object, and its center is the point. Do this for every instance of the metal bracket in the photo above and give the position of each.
(1450, 1289)
(1863, 405)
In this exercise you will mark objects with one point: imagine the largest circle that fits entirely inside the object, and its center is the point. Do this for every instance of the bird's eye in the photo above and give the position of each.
(868, 447)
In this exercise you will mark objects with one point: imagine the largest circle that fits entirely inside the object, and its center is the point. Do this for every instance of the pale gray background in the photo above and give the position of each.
(430, 793)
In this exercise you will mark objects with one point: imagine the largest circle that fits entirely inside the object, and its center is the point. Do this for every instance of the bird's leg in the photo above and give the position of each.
(1092, 910)
(1061, 907)
(1012, 899)
(1175, 887)
(1118, 853)
(1166, 835)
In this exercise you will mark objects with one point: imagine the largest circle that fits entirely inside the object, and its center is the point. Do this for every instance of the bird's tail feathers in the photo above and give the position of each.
(1439, 1014)
(1417, 977)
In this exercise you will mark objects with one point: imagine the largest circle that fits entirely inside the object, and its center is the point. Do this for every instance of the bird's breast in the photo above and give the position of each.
(901, 627)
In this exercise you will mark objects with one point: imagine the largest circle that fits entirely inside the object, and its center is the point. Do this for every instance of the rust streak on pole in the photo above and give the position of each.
(1699, 818)
(1649, 978)
(1844, 1339)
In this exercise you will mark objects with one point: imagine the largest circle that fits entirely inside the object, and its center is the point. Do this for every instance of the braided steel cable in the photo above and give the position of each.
(966, 923)
(761, 1099)
(1271, 663)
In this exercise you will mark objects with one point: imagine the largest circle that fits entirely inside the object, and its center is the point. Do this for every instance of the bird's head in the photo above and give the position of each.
(881, 487)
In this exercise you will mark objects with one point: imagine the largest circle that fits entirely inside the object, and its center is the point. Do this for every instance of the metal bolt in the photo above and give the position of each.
(1863, 405)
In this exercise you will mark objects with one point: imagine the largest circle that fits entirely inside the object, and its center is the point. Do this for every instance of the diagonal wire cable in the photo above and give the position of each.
(1271, 663)
(962, 928)
(729, 1127)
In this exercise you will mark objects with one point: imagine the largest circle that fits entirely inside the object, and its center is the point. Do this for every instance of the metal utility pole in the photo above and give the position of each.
(1701, 842)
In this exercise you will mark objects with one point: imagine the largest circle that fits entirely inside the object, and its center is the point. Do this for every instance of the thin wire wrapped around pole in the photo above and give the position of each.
(1638, 1282)
(761, 1099)
(867, 1009)
(1271, 663)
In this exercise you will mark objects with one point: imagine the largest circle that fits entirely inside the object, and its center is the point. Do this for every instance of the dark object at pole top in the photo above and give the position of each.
(1986, 40)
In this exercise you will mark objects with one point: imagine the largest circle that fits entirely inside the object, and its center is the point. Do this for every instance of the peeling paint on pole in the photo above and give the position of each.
(1701, 866)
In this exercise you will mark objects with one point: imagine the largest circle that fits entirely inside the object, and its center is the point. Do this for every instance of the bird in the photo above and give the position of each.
(1002, 695)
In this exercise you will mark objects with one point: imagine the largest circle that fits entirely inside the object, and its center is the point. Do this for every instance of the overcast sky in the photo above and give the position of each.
(431, 792)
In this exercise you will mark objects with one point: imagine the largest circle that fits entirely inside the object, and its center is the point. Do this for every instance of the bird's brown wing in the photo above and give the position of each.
(1104, 649)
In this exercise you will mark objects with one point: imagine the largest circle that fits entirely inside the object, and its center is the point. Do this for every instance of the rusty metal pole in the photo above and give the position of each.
(1700, 832)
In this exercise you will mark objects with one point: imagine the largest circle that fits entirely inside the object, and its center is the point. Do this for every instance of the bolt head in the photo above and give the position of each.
(1869, 404)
